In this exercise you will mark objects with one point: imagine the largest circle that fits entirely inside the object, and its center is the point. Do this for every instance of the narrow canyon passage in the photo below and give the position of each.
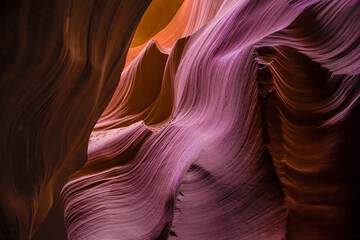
(184, 119)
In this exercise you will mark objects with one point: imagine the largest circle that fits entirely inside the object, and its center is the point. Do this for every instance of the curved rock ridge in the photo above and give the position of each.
(310, 83)
(191, 16)
(60, 64)
(235, 119)
(156, 17)
(209, 169)
(249, 93)
(145, 91)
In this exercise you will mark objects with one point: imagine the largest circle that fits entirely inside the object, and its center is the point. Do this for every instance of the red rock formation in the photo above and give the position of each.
(232, 120)
(60, 64)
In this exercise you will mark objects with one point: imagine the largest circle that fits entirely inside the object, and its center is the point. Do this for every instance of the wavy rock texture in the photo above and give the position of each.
(60, 64)
(232, 120)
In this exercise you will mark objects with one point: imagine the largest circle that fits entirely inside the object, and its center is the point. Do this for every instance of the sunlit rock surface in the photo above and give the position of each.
(232, 119)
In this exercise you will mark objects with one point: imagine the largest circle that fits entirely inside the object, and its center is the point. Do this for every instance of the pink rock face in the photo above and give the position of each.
(238, 120)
